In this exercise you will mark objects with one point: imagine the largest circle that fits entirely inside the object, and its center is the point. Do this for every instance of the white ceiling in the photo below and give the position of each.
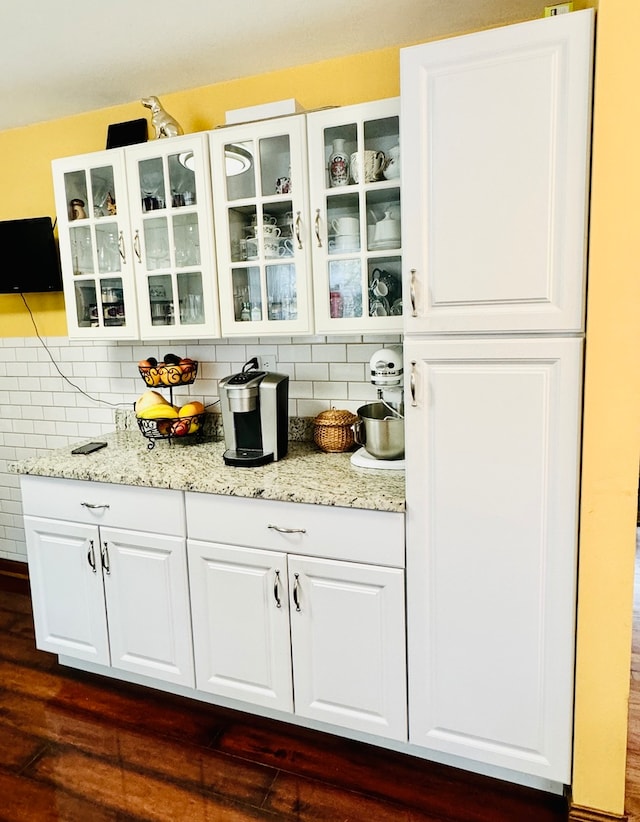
(63, 58)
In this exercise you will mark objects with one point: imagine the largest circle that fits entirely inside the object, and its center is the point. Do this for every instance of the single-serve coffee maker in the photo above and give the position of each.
(255, 416)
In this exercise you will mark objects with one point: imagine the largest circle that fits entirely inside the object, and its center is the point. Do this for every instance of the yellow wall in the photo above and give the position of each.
(611, 437)
(26, 188)
(611, 430)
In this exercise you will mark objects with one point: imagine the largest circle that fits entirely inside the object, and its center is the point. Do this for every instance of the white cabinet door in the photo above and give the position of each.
(492, 500)
(147, 595)
(495, 158)
(241, 623)
(66, 589)
(95, 245)
(262, 227)
(348, 639)
(357, 238)
(169, 186)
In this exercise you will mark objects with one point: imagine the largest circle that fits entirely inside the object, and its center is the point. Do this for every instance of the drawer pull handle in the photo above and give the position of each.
(276, 590)
(412, 293)
(92, 505)
(296, 591)
(104, 558)
(121, 248)
(412, 384)
(282, 530)
(297, 229)
(136, 245)
(317, 228)
(91, 557)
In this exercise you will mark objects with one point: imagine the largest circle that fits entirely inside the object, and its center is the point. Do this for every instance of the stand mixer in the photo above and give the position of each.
(382, 421)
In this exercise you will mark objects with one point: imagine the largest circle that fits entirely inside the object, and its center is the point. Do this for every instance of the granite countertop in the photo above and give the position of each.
(306, 475)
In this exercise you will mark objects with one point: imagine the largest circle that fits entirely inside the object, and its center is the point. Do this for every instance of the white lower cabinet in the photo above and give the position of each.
(109, 595)
(318, 636)
(347, 638)
(492, 501)
(241, 623)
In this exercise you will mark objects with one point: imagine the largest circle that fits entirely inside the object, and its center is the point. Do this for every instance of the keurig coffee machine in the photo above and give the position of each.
(255, 416)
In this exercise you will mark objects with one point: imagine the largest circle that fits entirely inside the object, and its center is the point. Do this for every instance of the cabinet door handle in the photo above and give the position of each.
(93, 505)
(412, 383)
(282, 530)
(121, 248)
(297, 229)
(412, 293)
(276, 590)
(91, 557)
(136, 246)
(317, 228)
(104, 557)
(296, 591)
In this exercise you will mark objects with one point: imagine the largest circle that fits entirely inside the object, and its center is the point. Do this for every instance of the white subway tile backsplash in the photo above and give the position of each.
(331, 390)
(42, 410)
(312, 371)
(26, 354)
(294, 353)
(311, 408)
(336, 352)
(299, 389)
(347, 372)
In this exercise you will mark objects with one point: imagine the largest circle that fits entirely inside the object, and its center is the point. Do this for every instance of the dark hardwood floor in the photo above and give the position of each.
(81, 748)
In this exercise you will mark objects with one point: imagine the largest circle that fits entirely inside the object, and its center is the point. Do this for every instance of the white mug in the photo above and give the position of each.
(271, 247)
(285, 248)
(346, 225)
(373, 164)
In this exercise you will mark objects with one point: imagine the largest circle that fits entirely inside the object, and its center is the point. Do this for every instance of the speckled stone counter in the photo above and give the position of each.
(305, 475)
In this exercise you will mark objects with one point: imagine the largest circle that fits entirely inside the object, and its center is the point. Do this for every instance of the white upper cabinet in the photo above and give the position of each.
(354, 175)
(495, 147)
(136, 241)
(172, 234)
(262, 227)
(95, 245)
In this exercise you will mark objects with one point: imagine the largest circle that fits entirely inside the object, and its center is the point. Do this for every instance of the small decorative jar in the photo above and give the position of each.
(333, 430)
(338, 164)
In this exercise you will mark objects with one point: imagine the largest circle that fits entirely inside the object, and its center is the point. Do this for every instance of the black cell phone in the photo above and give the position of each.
(89, 448)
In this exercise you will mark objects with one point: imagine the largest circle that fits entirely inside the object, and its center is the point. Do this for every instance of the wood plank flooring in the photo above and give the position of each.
(80, 748)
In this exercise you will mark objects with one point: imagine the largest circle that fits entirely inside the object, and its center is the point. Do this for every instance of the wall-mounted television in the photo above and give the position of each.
(29, 256)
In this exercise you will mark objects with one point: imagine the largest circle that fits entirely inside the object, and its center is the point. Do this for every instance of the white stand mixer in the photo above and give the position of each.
(383, 421)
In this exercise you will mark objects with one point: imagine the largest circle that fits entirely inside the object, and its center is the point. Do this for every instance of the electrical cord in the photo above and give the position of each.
(64, 376)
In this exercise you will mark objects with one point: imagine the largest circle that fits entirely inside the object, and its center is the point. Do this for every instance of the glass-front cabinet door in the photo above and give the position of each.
(262, 227)
(354, 173)
(172, 237)
(95, 248)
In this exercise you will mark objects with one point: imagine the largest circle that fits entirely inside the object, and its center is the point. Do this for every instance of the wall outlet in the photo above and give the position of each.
(559, 8)
(267, 362)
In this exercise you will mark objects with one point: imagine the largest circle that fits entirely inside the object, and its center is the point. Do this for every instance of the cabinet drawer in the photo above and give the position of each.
(352, 534)
(120, 506)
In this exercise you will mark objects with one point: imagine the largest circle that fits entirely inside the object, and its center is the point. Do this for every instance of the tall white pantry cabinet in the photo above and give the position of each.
(495, 159)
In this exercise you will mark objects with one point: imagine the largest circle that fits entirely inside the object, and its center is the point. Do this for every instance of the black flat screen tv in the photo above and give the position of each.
(30, 258)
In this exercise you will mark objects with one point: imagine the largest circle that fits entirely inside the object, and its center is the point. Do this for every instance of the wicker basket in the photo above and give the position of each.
(332, 430)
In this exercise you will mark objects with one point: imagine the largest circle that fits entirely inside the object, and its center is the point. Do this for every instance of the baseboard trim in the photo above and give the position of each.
(14, 576)
(578, 813)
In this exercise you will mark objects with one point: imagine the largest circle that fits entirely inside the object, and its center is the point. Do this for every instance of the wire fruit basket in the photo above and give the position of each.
(166, 428)
(183, 373)
(173, 372)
